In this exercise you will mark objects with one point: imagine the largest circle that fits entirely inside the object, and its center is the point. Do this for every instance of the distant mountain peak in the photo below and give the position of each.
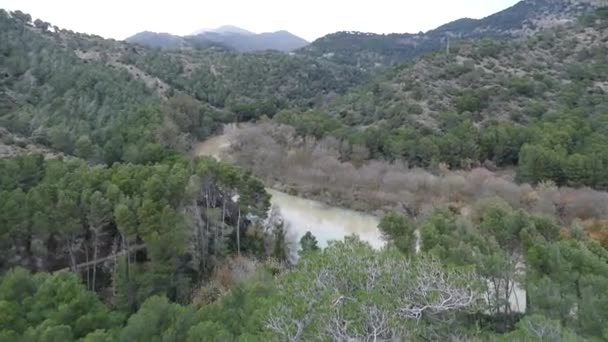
(224, 29)
(227, 36)
(233, 29)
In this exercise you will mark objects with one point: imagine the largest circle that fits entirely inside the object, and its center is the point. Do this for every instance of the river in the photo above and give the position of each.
(325, 222)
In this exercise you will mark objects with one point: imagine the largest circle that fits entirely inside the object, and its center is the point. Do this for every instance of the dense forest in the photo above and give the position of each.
(110, 230)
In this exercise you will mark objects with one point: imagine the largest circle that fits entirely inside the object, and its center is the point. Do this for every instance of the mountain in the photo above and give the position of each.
(224, 29)
(375, 50)
(157, 40)
(279, 41)
(230, 37)
(232, 29)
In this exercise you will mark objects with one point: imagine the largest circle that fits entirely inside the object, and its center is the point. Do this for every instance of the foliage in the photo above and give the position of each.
(324, 300)
(249, 85)
(308, 244)
(399, 231)
(61, 213)
(40, 306)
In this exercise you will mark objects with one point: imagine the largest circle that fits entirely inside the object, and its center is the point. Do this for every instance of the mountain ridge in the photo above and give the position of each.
(228, 36)
(370, 50)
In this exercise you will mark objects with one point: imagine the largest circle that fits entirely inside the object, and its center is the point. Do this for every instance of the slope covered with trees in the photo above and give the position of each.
(539, 104)
(371, 51)
(106, 101)
(249, 85)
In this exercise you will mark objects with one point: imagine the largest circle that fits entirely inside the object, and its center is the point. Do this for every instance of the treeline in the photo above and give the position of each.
(567, 149)
(494, 274)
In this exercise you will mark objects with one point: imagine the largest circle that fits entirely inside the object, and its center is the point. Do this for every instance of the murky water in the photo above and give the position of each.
(325, 222)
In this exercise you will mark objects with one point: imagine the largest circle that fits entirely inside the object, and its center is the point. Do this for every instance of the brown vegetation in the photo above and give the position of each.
(315, 169)
(597, 230)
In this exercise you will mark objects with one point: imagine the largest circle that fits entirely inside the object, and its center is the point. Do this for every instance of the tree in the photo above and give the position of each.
(308, 244)
(42, 25)
(539, 328)
(159, 320)
(565, 276)
(51, 307)
(126, 221)
(84, 148)
(399, 231)
(538, 163)
(24, 17)
(368, 300)
(99, 215)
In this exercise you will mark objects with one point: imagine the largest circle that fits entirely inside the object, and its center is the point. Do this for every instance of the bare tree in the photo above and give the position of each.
(333, 295)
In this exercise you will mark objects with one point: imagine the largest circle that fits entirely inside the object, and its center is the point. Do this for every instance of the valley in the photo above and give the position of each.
(302, 215)
(361, 188)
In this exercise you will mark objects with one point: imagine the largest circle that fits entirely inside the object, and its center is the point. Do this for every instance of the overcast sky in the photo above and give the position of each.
(309, 19)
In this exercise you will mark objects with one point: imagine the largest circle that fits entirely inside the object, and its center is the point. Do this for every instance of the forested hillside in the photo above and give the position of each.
(104, 100)
(250, 85)
(369, 50)
(540, 104)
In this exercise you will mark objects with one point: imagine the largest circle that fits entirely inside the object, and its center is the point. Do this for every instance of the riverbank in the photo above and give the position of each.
(316, 170)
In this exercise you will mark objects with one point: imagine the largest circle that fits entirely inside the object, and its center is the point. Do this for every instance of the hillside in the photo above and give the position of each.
(370, 50)
(100, 98)
(157, 40)
(230, 37)
(544, 98)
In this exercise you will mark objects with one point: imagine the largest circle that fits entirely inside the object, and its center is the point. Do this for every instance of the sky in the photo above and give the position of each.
(309, 19)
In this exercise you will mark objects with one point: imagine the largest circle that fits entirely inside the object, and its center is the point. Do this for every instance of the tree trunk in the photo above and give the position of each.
(71, 254)
(125, 244)
(200, 226)
(86, 258)
(114, 252)
(238, 234)
(222, 223)
(95, 249)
